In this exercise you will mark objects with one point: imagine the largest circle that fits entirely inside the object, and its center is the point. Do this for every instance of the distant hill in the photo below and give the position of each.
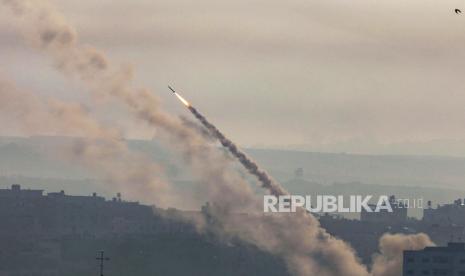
(439, 178)
(327, 168)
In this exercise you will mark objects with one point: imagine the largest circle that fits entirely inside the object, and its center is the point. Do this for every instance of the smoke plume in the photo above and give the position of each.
(389, 262)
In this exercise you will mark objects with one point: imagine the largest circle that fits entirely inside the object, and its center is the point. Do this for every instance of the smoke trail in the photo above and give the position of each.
(198, 128)
(251, 166)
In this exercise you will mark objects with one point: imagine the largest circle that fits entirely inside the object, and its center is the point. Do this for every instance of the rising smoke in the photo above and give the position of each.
(297, 238)
(389, 261)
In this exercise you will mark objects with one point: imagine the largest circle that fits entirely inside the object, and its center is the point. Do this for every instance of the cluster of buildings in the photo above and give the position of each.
(35, 226)
(439, 260)
(446, 260)
(446, 214)
(31, 213)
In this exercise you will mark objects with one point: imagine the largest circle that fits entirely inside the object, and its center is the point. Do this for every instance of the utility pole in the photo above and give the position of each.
(101, 258)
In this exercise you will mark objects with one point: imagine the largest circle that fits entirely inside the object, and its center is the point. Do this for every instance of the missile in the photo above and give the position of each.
(184, 101)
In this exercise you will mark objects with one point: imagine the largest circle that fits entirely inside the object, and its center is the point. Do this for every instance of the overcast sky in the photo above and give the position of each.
(330, 75)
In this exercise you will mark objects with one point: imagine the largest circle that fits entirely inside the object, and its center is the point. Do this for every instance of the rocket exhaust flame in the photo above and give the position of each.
(186, 103)
(251, 166)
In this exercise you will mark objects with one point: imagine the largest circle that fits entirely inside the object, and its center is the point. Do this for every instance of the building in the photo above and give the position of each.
(30, 213)
(432, 261)
(446, 214)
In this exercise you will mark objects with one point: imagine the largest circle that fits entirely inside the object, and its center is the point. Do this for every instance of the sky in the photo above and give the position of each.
(361, 76)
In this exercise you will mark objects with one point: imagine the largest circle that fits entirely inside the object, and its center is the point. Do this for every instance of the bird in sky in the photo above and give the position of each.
(457, 11)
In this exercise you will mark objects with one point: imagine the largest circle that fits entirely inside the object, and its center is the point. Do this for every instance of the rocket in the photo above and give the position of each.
(184, 101)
